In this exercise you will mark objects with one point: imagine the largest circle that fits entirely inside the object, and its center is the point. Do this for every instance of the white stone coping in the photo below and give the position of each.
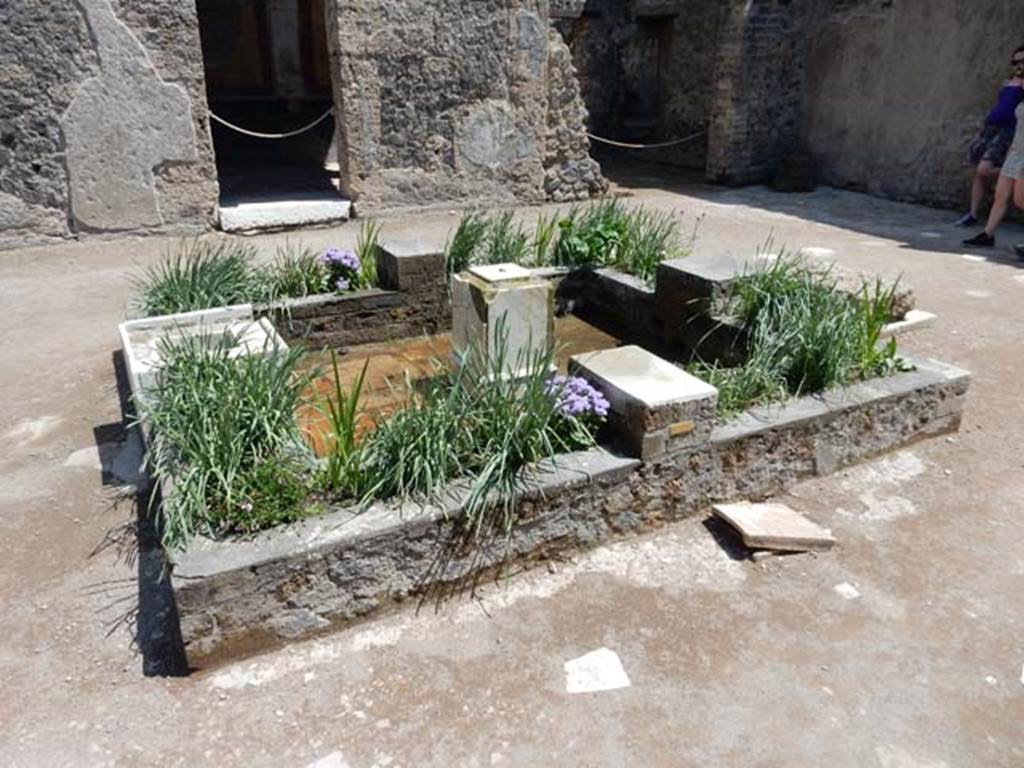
(245, 216)
(914, 320)
(141, 339)
(632, 374)
(501, 273)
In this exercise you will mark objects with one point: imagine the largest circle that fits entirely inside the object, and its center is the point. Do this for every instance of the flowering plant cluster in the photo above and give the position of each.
(578, 405)
(343, 269)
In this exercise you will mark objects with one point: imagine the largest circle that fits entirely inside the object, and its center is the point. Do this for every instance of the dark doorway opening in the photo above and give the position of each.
(268, 71)
(646, 72)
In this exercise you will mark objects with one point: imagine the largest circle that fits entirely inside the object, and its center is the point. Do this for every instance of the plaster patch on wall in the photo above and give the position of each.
(532, 42)
(490, 136)
(121, 125)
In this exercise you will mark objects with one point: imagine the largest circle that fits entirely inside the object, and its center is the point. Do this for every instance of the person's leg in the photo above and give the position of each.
(984, 177)
(1001, 201)
(1018, 200)
(1004, 193)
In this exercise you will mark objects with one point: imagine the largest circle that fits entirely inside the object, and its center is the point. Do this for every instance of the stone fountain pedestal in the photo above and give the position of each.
(502, 304)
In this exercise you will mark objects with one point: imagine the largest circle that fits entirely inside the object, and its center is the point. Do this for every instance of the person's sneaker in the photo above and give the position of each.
(983, 240)
(967, 220)
(1019, 250)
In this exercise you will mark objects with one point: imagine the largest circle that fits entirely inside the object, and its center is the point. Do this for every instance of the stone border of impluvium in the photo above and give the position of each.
(239, 595)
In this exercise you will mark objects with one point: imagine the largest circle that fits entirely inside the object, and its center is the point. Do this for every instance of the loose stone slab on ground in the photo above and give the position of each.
(774, 526)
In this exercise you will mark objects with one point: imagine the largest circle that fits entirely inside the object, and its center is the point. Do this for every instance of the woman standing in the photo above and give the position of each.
(1010, 185)
(988, 150)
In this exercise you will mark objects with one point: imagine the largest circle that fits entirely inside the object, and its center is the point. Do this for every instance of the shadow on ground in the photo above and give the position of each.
(151, 614)
(913, 226)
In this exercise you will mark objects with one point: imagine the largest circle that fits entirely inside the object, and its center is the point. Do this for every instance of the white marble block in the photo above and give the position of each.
(502, 301)
(141, 340)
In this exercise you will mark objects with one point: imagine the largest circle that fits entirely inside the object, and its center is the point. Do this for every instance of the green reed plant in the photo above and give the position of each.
(610, 234)
(606, 233)
(217, 424)
(199, 274)
(367, 244)
(465, 242)
(343, 471)
(804, 334)
(296, 272)
(478, 424)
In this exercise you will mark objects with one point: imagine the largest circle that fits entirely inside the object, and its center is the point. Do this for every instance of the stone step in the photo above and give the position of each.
(249, 215)
(656, 407)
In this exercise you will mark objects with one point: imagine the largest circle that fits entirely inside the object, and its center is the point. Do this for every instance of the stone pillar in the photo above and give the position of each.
(758, 90)
(502, 309)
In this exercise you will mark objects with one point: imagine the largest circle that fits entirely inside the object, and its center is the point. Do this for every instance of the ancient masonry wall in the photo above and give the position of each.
(758, 87)
(104, 128)
(102, 120)
(896, 91)
(441, 104)
(646, 69)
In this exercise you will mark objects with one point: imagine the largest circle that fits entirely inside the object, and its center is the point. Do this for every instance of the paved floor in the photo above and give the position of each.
(903, 648)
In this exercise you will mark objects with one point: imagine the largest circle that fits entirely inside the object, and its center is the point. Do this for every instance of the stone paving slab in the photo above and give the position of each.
(774, 526)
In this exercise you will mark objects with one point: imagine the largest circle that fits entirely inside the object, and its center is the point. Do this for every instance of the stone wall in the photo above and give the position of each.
(39, 76)
(896, 91)
(439, 104)
(102, 120)
(104, 128)
(646, 69)
(758, 89)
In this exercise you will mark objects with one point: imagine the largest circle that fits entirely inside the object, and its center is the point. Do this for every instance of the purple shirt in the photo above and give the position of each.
(1002, 115)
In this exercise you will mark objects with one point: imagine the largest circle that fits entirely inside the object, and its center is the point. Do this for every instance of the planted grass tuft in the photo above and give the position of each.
(203, 274)
(224, 441)
(603, 234)
(804, 335)
(471, 423)
(198, 275)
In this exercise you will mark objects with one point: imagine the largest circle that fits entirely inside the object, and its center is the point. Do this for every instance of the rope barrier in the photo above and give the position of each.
(663, 144)
(286, 135)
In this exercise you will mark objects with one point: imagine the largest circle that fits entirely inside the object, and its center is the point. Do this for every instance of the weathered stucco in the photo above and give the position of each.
(121, 125)
(95, 137)
(896, 91)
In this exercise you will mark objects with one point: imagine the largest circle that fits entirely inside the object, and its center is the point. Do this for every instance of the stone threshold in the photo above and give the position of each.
(260, 215)
(241, 595)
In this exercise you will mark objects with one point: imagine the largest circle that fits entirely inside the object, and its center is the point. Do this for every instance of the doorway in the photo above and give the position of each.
(269, 91)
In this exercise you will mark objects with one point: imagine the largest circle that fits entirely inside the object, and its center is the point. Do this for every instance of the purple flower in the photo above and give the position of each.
(342, 284)
(345, 260)
(576, 398)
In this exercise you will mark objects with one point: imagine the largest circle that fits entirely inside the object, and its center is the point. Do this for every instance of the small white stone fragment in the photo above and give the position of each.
(991, 680)
(818, 252)
(599, 670)
(333, 760)
(847, 590)
(972, 257)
